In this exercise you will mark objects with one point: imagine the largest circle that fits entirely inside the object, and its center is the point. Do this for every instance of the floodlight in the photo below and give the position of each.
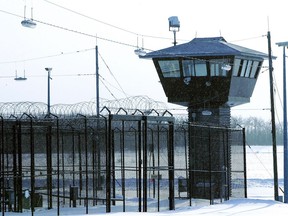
(20, 78)
(187, 80)
(174, 23)
(28, 23)
(282, 43)
(226, 67)
(206, 113)
(140, 52)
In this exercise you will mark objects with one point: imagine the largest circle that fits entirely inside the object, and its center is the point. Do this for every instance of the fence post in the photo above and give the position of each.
(49, 165)
(108, 165)
(19, 176)
(145, 185)
(244, 158)
(171, 166)
(32, 163)
(139, 166)
(2, 167)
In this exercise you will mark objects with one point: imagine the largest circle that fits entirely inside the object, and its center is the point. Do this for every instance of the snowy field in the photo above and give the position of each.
(259, 202)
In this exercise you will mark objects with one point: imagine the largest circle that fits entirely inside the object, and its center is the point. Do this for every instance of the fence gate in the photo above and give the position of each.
(140, 160)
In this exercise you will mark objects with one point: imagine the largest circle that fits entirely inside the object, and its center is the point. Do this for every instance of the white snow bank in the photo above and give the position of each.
(238, 207)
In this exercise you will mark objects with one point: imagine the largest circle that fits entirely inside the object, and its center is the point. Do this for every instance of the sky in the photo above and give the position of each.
(68, 31)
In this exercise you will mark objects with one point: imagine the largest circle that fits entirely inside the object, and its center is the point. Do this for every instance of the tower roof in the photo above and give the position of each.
(211, 46)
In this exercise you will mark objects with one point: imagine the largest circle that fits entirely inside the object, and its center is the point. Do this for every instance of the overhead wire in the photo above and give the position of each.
(108, 24)
(93, 36)
(55, 75)
(277, 91)
(89, 17)
(106, 86)
(122, 90)
(250, 38)
(47, 56)
(110, 40)
(101, 80)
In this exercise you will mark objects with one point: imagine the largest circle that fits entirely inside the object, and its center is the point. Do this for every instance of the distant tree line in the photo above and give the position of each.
(258, 131)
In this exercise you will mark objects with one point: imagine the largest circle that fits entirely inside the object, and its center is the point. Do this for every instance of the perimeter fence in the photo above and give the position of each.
(133, 161)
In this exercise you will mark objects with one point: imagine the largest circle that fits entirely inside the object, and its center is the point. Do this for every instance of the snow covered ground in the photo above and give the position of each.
(239, 207)
(259, 202)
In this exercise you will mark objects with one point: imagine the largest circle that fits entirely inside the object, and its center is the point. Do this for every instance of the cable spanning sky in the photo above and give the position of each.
(68, 31)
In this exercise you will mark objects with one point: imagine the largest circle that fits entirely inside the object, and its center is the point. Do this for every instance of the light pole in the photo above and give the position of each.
(284, 45)
(48, 97)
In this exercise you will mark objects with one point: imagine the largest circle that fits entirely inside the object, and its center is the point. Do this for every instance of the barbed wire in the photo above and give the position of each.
(130, 104)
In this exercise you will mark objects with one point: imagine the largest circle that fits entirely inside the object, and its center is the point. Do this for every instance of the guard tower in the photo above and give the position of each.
(209, 76)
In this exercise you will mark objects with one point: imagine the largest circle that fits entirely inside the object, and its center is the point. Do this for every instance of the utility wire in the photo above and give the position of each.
(112, 74)
(277, 91)
(112, 41)
(47, 56)
(85, 34)
(251, 38)
(74, 31)
(107, 88)
(104, 80)
(56, 75)
(263, 165)
(108, 24)
(91, 18)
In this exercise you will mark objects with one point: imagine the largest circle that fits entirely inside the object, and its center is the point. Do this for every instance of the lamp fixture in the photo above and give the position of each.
(174, 26)
(206, 113)
(29, 23)
(187, 80)
(17, 78)
(208, 83)
(174, 23)
(226, 67)
(140, 52)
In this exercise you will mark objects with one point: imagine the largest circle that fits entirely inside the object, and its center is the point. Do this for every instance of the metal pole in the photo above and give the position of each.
(174, 33)
(48, 98)
(245, 165)
(171, 173)
(145, 176)
(97, 82)
(273, 119)
(285, 128)
(139, 166)
(2, 167)
(285, 44)
(48, 91)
